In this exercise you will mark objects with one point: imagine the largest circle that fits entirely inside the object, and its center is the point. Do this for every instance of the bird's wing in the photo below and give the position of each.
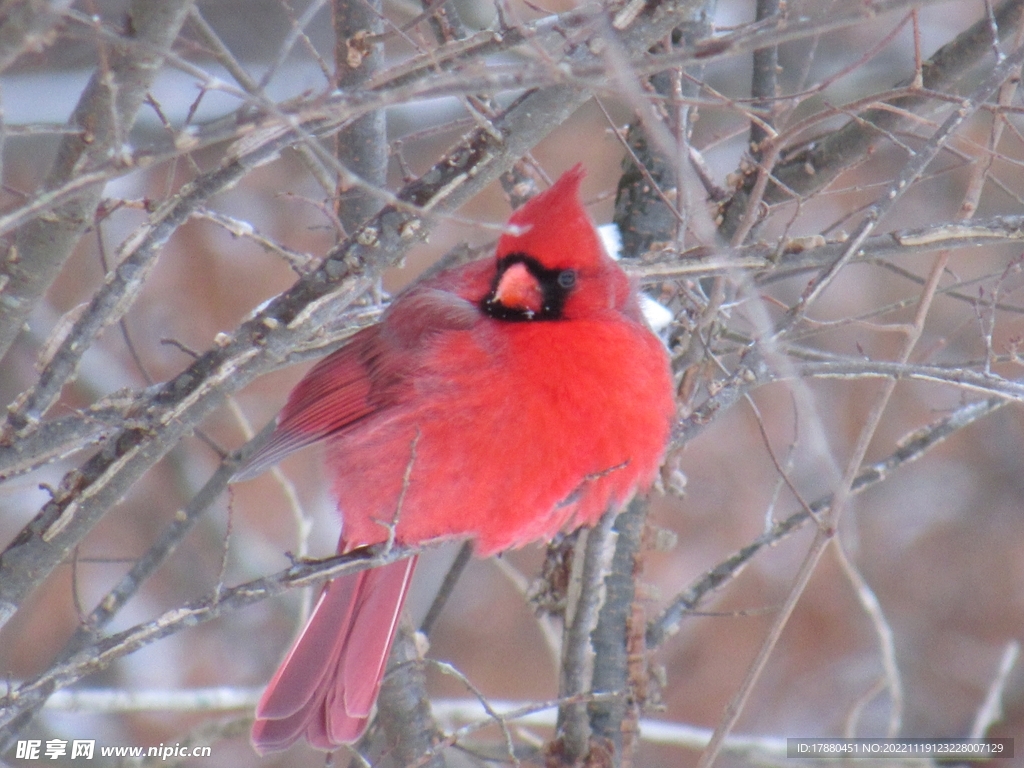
(369, 374)
(334, 394)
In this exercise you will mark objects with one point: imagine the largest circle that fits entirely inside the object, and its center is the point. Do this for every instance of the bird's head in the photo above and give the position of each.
(550, 263)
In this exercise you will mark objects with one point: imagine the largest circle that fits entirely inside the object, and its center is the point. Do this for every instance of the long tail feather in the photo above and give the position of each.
(326, 686)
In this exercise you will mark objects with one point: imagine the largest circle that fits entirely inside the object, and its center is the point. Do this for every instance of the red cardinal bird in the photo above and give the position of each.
(503, 401)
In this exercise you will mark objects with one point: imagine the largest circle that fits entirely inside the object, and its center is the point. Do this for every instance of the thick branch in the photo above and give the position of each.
(362, 145)
(613, 638)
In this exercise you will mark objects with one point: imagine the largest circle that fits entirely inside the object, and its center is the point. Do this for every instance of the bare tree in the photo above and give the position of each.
(823, 196)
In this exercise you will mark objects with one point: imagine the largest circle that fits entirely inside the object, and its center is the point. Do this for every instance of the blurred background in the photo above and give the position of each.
(911, 615)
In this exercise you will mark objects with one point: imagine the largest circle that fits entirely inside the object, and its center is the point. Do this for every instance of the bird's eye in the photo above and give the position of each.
(567, 278)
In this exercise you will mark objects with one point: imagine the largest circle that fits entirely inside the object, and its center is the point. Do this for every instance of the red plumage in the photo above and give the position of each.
(503, 401)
